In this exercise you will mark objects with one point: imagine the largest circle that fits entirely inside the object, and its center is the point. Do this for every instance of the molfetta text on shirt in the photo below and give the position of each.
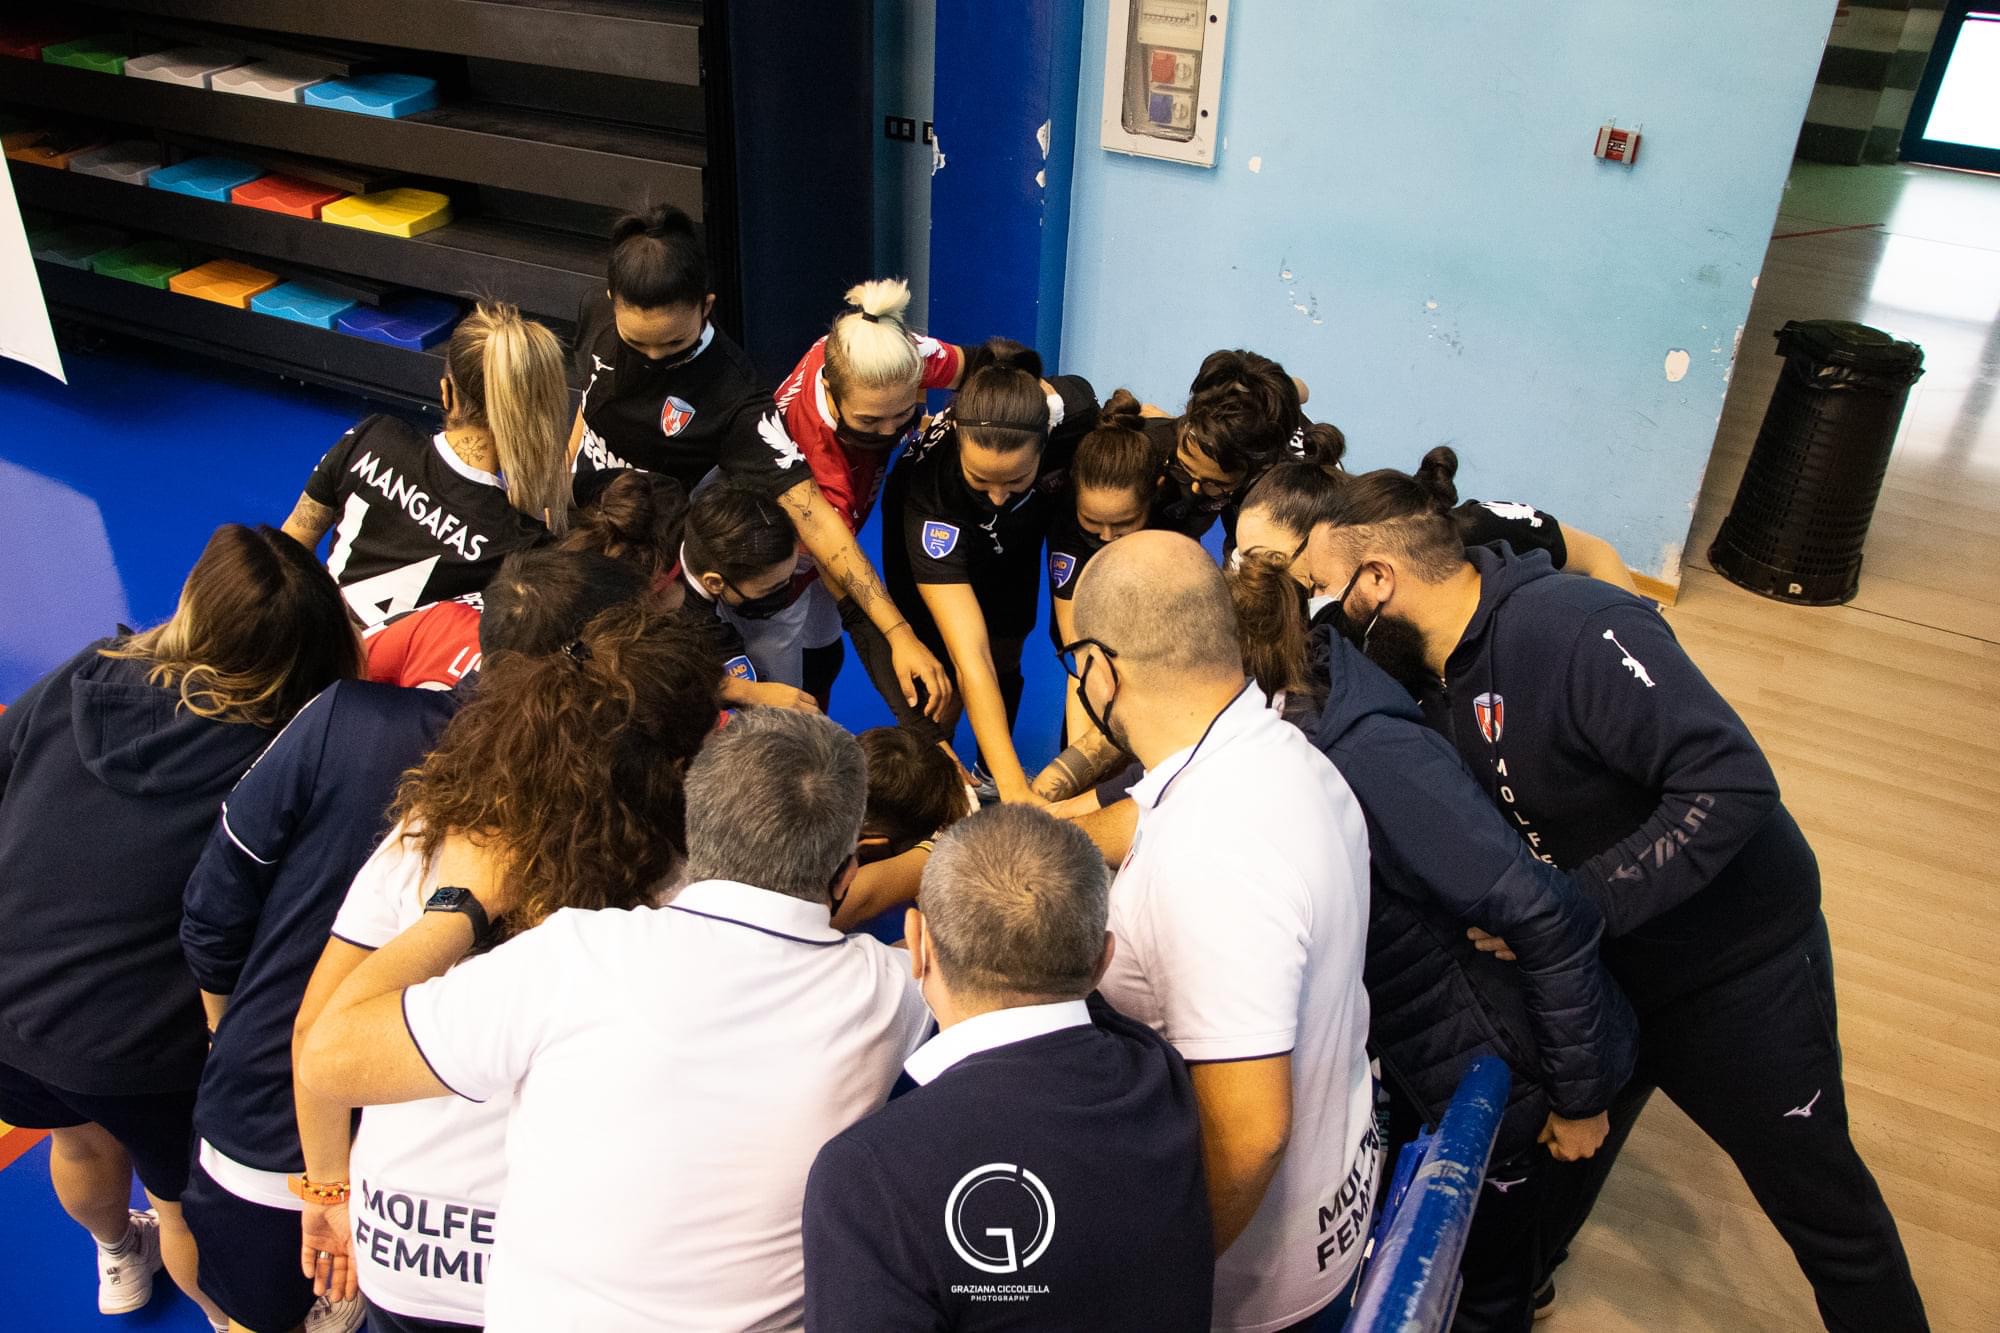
(1000, 1218)
(1343, 1219)
(415, 501)
(445, 1240)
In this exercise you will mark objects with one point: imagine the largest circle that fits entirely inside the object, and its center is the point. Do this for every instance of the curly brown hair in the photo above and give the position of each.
(571, 764)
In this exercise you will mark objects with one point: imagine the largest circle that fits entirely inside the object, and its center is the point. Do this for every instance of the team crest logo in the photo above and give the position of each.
(675, 414)
(1062, 568)
(940, 540)
(1491, 711)
(739, 668)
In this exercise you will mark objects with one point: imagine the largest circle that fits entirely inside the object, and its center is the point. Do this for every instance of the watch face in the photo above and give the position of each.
(447, 900)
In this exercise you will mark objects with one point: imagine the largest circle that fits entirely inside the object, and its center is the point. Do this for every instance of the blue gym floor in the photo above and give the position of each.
(109, 487)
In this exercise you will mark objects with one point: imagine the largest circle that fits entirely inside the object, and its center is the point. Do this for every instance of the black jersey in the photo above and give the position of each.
(1522, 526)
(1171, 510)
(698, 617)
(414, 523)
(681, 416)
(943, 531)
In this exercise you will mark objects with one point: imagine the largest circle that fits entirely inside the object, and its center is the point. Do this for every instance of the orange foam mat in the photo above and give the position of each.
(224, 281)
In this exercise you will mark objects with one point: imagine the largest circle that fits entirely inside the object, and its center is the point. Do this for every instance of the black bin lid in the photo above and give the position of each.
(1840, 342)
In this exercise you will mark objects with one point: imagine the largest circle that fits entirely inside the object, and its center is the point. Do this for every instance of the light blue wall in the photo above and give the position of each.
(1405, 211)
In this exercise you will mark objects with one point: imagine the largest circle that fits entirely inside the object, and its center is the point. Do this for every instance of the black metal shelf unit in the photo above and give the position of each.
(556, 115)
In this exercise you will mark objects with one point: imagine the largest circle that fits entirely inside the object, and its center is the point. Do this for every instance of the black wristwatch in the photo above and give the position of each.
(462, 901)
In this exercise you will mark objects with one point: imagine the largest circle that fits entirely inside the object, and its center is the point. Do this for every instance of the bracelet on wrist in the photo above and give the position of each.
(326, 1192)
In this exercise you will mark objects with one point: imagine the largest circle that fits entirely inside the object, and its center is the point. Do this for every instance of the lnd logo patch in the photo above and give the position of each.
(940, 539)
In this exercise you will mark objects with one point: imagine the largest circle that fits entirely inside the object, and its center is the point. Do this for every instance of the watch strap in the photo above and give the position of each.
(450, 898)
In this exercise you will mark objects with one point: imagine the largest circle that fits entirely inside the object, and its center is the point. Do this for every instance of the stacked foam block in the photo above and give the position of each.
(411, 321)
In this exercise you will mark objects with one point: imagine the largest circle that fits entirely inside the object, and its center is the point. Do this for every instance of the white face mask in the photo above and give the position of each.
(1315, 605)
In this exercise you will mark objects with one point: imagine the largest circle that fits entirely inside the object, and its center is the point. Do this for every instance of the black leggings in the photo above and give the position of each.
(388, 1321)
(1754, 1060)
(873, 649)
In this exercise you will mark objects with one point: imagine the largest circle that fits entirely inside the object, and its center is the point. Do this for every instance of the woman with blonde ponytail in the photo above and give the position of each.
(420, 519)
(857, 395)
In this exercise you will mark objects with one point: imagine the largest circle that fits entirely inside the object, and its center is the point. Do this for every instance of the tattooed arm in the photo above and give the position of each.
(308, 522)
(1078, 768)
(848, 574)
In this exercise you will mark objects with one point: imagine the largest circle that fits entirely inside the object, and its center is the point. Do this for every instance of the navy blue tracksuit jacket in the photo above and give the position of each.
(1615, 759)
(261, 900)
(1441, 859)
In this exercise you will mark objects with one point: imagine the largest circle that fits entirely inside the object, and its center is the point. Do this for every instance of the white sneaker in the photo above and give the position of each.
(125, 1282)
(334, 1316)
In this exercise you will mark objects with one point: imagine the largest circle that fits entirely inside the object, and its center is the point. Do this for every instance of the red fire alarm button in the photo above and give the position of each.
(1616, 145)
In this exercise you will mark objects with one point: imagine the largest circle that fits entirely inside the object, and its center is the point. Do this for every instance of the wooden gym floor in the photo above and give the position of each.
(1882, 719)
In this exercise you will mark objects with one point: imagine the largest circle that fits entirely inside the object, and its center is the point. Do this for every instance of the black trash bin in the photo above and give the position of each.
(1801, 515)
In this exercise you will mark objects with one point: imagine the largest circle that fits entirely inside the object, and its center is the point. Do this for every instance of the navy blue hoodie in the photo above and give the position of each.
(261, 901)
(1618, 761)
(108, 788)
(1441, 859)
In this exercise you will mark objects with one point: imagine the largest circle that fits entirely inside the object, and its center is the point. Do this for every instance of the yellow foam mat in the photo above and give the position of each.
(402, 212)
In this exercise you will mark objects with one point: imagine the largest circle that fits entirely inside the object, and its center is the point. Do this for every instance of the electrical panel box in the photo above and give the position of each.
(1163, 78)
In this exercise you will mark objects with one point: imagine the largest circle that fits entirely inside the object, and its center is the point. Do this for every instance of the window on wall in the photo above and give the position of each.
(1955, 121)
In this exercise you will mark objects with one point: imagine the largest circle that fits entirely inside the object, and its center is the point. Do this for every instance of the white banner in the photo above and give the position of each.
(25, 335)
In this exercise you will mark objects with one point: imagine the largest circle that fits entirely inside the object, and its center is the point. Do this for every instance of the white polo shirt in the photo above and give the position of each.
(428, 1175)
(675, 1070)
(1241, 917)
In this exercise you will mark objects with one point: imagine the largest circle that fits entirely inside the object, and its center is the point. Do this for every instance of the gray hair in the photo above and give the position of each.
(1016, 901)
(774, 800)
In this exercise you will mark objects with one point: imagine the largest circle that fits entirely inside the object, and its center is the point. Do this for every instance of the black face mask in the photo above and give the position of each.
(762, 608)
(1187, 499)
(886, 440)
(635, 367)
(1389, 641)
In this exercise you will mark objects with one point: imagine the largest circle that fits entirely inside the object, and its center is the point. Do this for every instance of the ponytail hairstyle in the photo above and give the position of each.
(657, 260)
(1117, 455)
(1324, 444)
(637, 519)
(507, 376)
(1000, 403)
(1409, 516)
(869, 347)
(736, 532)
(1242, 411)
(570, 765)
(1271, 623)
(259, 630)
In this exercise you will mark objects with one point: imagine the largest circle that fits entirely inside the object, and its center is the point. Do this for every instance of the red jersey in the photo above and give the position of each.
(849, 478)
(430, 648)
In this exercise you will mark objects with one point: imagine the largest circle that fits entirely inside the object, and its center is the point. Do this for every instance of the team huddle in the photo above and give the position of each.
(483, 926)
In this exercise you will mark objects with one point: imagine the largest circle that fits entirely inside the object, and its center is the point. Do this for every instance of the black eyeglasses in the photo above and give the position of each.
(1069, 652)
